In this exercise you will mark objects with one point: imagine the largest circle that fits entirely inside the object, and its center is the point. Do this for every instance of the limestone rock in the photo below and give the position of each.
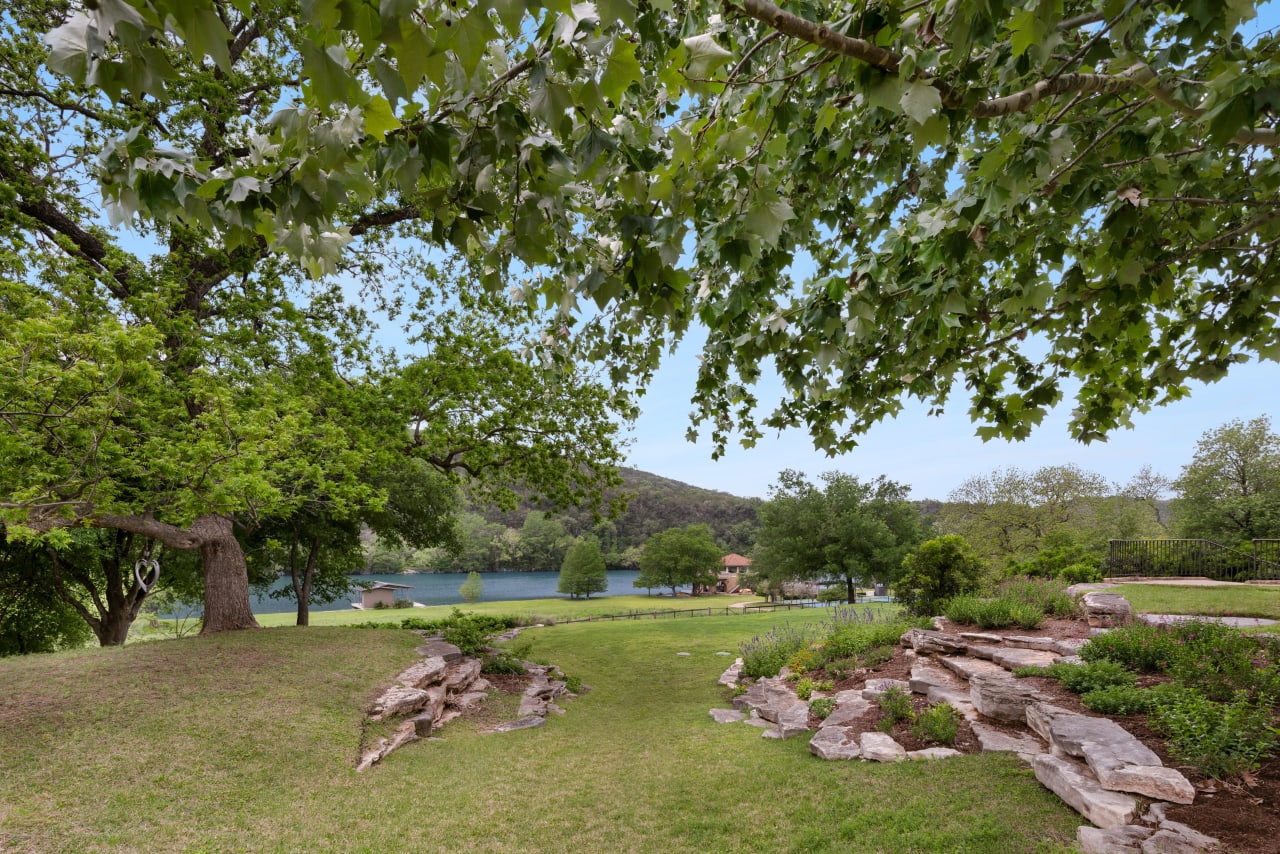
(793, 720)
(1023, 642)
(424, 673)
(1015, 658)
(1001, 697)
(879, 747)
(528, 722)
(996, 741)
(727, 716)
(957, 697)
(1041, 714)
(924, 641)
(1106, 609)
(1154, 781)
(981, 637)
(924, 677)
(835, 742)
(1176, 838)
(850, 705)
(1070, 646)
(983, 651)
(460, 676)
(398, 700)
(469, 699)
(730, 677)
(875, 687)
(441, 648)
(1103, 744)
(1079, 790)
(754, 719)
(933, 753)
(1126, 839)
(967, 668)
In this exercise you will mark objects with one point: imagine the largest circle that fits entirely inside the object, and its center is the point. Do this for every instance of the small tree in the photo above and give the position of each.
(472, 587)
(1230, 491)
(941, 568)
(583, 571)
(679, 556)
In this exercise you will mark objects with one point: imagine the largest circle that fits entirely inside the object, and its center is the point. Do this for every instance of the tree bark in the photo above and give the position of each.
(853, 590)
(226, 576)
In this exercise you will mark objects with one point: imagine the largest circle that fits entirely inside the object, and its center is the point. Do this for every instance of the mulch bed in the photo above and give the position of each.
(1243, 814)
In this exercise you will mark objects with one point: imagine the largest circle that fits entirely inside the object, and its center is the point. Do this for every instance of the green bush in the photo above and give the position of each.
(1079, 573)
(896, 705)
(876, 655)
(1138, 646)
(858, 638)
(1083, 678)
(823, 707)
(1219, 661)
(502, 663)
(1117, 700)
(1221, 739)
(835, 593)
(765, 655)
(938, 724)
(803, 660)
(804, 688)
(992, 613)
(938, 570)
(1046, 595)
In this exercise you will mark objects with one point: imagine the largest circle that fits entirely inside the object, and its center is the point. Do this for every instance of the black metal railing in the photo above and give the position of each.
(1199, 558)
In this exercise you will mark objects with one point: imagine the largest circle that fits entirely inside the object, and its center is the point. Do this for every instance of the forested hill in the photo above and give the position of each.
(655, 504)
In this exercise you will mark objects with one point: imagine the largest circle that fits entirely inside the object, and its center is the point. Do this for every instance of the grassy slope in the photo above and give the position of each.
(1243, 601)
(556, 609)
(247, 742)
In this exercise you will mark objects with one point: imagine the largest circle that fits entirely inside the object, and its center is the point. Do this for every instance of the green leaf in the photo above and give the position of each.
(705, 55)
(767, 220)
(379, 118)
(920, 101)
(623, 70)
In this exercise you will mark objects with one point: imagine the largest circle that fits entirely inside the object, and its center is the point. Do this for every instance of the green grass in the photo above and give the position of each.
(555, 609)
(1246, 600)
(247, 741)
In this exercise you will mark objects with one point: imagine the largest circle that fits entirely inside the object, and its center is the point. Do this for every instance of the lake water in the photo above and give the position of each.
(442, 589)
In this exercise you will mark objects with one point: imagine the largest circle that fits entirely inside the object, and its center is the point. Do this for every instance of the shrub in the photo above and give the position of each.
(835, 593)
(858, 638)
(803, 660)
(992, 613)
(1138, 646)
(1221, 739)
(804, 688)
(1083, 678)
(876, 655)
(765, 655)
(938, 570)
(823, 707)
(502, 663)
(938, 723)
(1046, 595)
(573, 684)
(896, 705)
(1117, 700)
(1219, 661)
(1079, 573)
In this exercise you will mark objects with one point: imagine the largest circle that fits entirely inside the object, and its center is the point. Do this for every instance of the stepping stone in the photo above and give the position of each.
(727, 716)
(933, 753)
(875, 687)
(1176, 838)
(684, 654)
(1106, 609)
(722, 652)
(1126, 839)
(755, 720)
(1023, 642)
(926, 642)
(835, 742)
(443, 649)
(1080, 790)
(981, 637)
(1070, 646)
(425, 672)
(1015, 658)
(1154, 781)
(529, 722)
(967, 668)
(399, 700)
(850, 705)
(995, 741)
(983, 651)
(1041, 714)
(879, 747)
(957, 697)
(1000, 696)
(1119, 760)
(924, 677)
(730, 677)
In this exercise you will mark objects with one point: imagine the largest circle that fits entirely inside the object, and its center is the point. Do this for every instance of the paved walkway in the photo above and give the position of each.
(1237, 622)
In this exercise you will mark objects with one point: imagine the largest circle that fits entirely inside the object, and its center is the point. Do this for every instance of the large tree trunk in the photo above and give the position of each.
(226, 577)
(851, 588)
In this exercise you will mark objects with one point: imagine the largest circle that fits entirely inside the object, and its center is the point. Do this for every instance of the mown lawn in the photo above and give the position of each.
(1246, 600)
(247, 742)
(555, 609)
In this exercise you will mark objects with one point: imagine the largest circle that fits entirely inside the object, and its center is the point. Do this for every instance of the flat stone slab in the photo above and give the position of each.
(1041, 714)
(1154, 781)
(879, 747)
(996, 741)
(1126, 839)
(1235, 622)
(528, 722)
(1015, 658)
(924, 677)
(1000, 696)
(1080, 791)
(1106, 609)
(754, 719)
(442, 648)
(1176, 838)
(1024, 642)
(1101, 742)
(875, 687)
(727, 716)
(836, 742)
(982, 637)
(933, 753)
(399, 700)
(982, 650)
(927, 642)
(425, 672)
(730, 677)
(957, 697)
(850, 705)
(967, 668)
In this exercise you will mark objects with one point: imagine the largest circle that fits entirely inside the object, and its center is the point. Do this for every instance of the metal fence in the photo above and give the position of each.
(1199, 558)
(749, 608)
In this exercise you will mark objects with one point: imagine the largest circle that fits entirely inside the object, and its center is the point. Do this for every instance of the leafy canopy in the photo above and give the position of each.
(885, 201)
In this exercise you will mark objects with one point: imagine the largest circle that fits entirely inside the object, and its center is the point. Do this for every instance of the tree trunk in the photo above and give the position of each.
(303, 592)
(853, 591)
(113, 628)
(226, 577)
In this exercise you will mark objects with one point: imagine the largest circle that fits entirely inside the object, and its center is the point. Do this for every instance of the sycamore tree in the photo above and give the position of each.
(184, 382)
(882, 202)
(845, 530)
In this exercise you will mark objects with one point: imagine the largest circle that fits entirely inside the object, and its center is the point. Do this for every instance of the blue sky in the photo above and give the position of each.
(935, 454)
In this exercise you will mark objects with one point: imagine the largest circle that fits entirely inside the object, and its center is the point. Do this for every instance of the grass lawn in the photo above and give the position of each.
(1246, 600)
(247, 741)
(556, 609)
